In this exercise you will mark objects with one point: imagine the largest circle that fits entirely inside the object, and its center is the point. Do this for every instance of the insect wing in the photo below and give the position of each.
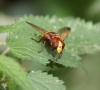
(64, 32)
(42, 31)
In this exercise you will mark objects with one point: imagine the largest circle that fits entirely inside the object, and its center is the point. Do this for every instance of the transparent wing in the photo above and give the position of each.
(42, 31)
(64, 32)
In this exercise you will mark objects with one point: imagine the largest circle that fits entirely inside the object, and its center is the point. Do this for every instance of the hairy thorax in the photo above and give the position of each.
(54, 40)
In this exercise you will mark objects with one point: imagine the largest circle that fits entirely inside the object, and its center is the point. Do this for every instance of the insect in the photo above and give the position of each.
(53, 39)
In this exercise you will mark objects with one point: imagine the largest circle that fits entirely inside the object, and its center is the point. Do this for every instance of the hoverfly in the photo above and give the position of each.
(53, 39)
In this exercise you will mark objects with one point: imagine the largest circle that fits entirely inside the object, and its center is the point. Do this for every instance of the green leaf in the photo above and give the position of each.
(25, 48)
(21, 45)
(5, 28)
(14, 70)
(84, 38)
(10, 28)
(46, 82)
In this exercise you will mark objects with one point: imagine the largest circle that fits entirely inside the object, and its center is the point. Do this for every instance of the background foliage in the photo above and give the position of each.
(21, 46)
(89, 10)
(82, 44)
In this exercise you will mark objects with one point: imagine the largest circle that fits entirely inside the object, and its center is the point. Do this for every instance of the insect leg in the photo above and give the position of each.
(37, 40)
(52, 52)
(42, 47)
(59, 56)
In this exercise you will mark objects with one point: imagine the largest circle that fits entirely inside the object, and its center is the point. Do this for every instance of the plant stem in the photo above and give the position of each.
(6, 51)
(4, 81)
(2, 86)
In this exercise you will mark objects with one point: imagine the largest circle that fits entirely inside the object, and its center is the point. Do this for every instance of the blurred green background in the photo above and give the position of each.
(89, 10)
